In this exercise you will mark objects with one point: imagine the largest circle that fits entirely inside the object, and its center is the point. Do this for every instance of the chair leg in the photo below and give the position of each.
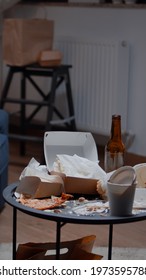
(51, 101)
(70, 100)
(6, 87)
(23, 114)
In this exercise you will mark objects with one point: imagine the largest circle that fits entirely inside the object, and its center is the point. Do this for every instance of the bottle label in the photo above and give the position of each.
(113, 161)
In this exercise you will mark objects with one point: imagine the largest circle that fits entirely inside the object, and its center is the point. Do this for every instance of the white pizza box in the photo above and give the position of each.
(70, 143)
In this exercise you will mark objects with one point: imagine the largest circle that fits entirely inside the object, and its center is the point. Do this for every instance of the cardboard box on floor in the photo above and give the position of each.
(70, 143)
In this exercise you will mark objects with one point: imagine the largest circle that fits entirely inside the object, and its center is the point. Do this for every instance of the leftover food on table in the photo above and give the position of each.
(71, 174)
(91, 207)
(46, 203)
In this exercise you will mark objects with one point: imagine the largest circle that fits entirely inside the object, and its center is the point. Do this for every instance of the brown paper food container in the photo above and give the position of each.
(74, 185)
(50, 58)
(24, 39)
(35, 188)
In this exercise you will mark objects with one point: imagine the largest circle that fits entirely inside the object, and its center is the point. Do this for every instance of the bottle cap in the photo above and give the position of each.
(116, 116)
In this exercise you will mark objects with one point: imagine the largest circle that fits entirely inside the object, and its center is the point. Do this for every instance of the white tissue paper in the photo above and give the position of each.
(79, 167)
(35, 169)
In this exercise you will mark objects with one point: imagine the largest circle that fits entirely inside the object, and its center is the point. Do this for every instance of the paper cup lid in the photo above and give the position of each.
(123, 175)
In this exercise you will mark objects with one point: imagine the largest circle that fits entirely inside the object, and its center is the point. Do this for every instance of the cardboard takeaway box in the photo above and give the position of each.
(70, 143)
(34, 187)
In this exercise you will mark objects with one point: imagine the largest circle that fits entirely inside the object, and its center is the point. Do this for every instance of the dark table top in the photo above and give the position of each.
(66, 215)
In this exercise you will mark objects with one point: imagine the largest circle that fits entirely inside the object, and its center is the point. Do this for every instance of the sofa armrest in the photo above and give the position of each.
(4, 119)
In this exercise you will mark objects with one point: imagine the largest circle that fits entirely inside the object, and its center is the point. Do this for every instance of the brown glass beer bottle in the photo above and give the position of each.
(115, 148)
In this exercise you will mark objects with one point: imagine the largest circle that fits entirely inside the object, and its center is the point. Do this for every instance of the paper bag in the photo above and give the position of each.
(70, 250)
(24, 39)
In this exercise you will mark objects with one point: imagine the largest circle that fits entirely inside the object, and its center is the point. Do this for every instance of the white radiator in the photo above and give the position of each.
(99, 79)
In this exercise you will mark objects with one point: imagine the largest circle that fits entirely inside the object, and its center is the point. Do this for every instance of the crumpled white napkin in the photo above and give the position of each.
(35, 169)
(77, 166)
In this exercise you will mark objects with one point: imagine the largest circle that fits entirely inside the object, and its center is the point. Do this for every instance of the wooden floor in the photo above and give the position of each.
(34, 229)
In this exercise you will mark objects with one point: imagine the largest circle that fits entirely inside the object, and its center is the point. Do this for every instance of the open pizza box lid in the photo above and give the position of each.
(70, 143)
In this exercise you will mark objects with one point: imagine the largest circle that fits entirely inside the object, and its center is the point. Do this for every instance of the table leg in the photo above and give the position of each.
(58, 234)
(14, 233)
(110, 241)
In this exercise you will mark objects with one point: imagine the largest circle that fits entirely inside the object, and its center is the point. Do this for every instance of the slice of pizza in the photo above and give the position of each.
(46, 203)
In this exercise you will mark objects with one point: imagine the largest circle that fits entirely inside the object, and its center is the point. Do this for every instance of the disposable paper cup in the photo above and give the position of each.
(121, 198)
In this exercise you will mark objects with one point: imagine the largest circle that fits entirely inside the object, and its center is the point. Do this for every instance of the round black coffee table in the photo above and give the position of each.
(65, 217)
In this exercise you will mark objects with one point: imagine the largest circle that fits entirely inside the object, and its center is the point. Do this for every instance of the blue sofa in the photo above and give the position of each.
(4, 153)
